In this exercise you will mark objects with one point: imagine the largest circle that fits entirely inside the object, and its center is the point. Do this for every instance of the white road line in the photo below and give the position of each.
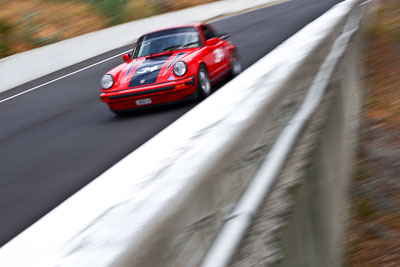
(62, 77)
(102, 61)
(97, 63)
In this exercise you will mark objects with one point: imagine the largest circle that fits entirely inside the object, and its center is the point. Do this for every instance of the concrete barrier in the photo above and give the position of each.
(320, 167)
(164, 204)
(27, 66)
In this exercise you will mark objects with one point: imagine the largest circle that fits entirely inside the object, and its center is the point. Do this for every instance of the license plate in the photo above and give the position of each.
(142, 102)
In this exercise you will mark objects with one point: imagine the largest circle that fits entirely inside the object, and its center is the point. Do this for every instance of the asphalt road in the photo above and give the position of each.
(58, 138)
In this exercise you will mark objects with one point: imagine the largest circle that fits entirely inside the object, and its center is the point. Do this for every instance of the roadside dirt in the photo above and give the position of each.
(374, 233)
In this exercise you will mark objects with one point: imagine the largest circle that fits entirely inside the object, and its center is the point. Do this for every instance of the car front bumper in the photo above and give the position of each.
(150, 95)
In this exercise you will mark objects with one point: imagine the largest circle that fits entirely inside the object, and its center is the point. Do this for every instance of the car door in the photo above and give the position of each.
(215, 57)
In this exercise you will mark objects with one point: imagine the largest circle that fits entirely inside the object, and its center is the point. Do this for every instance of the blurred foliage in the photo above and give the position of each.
(119, 11)
(6, 29)
(361, 174)
(373, 236)
(384, 65)
(366, 208)
(389, 21)
(138, 9)
(27, 24)
(111, 9)
(5, 49)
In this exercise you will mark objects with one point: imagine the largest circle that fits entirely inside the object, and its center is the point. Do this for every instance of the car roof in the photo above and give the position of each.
(193, 24)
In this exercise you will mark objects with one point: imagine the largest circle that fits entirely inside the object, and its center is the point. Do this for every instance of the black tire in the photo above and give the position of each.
(236, 65)
(119, 113)
(203, 83)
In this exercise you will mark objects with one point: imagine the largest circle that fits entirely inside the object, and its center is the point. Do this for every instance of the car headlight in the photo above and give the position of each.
(107, 81)
(180, 68)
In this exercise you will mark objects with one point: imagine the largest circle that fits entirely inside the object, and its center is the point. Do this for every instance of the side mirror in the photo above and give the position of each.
(126, 57)
(212, 41)
(224, 36)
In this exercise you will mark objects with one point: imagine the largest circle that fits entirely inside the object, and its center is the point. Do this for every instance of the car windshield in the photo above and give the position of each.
(167, 40)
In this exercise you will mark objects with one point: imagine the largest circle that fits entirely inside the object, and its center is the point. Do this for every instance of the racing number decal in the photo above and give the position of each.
(219, 54)
(148, 69)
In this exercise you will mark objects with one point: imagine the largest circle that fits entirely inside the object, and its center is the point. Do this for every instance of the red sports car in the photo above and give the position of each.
(170, 65)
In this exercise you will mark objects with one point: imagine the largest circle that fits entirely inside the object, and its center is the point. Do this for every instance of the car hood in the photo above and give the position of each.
(146, 71)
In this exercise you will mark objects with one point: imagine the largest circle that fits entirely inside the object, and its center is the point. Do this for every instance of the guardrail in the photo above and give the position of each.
(164, 204)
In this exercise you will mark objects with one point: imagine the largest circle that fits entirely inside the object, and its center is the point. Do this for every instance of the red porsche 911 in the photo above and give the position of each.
(170, 65)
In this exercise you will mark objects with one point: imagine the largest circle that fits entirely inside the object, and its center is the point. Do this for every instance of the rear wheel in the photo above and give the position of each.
(203, 83)
(236, 66)
(118, 113)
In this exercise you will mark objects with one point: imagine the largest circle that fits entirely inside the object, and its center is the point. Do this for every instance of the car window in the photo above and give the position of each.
(137, 47)
(208, 32)
(167, 40)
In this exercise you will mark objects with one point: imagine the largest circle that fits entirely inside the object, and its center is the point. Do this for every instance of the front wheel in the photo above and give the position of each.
(203, 83)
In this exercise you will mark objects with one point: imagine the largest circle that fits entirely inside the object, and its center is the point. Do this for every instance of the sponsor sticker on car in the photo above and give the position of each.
(142, 102)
